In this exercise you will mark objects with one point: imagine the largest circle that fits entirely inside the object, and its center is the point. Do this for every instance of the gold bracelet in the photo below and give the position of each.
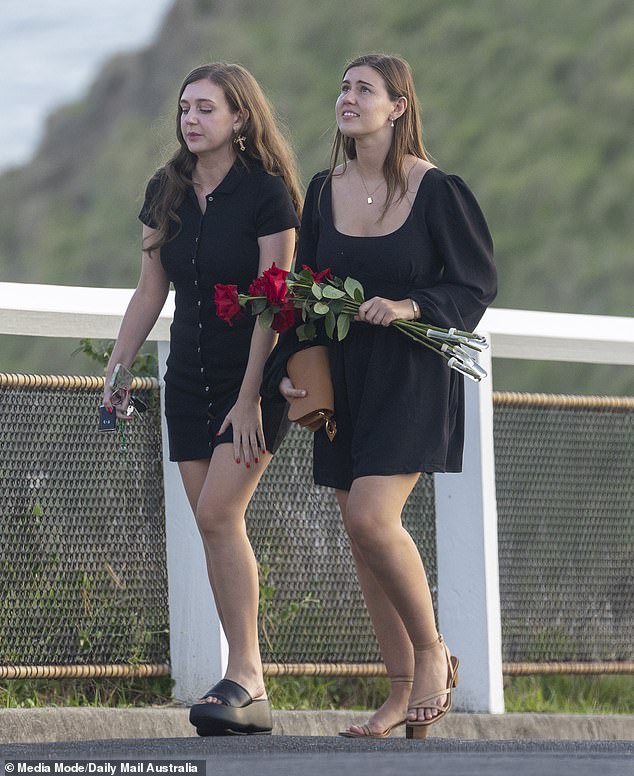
(415, 308)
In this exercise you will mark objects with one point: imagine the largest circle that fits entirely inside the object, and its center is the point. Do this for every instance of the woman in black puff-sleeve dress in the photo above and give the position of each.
(416, 239)
(222, 210)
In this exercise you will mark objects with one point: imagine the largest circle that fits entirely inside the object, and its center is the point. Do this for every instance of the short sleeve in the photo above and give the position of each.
(460, 234)
(151, 193)
(309, 231)
(275, 211)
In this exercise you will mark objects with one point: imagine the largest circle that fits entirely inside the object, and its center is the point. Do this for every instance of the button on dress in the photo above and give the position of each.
(208, 357)
(399, 408)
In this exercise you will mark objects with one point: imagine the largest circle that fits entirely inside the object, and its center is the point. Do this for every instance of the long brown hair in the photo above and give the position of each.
(265, 143)
(408, 128)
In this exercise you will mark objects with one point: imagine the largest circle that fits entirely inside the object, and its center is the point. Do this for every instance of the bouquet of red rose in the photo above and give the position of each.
(268, 296)
(281, 298)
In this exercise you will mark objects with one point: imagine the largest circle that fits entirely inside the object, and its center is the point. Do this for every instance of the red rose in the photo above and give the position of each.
(325, 274)
(275, 287)
(227, 303)
(285, 319)
(258, 287)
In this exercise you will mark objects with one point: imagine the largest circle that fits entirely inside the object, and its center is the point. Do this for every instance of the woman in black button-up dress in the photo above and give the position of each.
(222, 210)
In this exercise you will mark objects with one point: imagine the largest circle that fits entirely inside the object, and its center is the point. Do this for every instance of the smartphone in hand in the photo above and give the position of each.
(121, 378)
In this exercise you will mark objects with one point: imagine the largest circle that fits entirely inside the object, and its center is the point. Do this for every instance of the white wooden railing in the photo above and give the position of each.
(466, 516)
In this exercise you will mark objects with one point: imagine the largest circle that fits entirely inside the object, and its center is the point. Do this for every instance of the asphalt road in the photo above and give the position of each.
(329, 756)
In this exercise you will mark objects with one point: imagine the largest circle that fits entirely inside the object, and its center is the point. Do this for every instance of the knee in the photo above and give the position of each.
(361, 524)
(216, 519)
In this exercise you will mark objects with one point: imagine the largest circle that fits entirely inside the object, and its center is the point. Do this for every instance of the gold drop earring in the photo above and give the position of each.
(239, 141)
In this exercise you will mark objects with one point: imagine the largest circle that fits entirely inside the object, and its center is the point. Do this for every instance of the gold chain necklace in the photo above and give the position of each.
(373, 192)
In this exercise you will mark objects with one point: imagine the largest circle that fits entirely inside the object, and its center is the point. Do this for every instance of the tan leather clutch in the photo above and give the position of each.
(310, 369)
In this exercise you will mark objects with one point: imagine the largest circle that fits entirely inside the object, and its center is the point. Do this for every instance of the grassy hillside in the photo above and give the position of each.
(530, 102)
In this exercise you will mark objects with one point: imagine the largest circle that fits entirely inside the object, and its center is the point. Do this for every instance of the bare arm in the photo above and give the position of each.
(142, 313)
(245, 416)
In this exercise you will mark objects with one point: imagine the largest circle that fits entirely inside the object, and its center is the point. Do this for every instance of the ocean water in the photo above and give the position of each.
(51, 50)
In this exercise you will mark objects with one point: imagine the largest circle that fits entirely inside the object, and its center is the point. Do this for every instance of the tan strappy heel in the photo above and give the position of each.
(367, 733)
(420, 728)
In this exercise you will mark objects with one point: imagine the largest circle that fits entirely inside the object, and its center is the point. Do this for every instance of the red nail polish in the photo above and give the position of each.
(110, 410)
(237, 460)
(257, 460)
(248, 466)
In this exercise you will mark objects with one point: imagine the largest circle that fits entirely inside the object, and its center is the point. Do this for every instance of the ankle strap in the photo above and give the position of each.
(431, 645)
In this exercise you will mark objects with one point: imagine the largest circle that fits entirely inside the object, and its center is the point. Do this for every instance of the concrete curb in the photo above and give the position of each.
(91, 724)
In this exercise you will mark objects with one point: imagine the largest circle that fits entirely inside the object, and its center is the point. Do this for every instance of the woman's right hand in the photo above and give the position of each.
(288, 391)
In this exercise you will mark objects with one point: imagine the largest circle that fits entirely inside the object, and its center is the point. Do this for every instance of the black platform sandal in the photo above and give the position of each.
(236, 714)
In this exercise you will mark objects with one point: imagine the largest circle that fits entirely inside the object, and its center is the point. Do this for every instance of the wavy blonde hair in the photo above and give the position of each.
(266, 143)
(408, 128)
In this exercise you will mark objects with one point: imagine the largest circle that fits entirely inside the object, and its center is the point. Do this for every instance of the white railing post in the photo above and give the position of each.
(467, 556)
(198, 648)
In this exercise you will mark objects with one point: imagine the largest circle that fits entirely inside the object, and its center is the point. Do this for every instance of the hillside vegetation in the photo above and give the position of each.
(531, 102)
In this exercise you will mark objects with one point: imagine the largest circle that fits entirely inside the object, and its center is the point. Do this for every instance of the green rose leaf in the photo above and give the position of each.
(320, 308)
(343, 326)
(306, 332)
(354, 289)
(266, 318)
(316, 291)
(330, 322)
(258, 306)
(332, 293)
(304, 276)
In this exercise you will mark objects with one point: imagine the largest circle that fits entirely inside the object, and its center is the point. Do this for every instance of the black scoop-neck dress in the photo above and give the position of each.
(399, 408)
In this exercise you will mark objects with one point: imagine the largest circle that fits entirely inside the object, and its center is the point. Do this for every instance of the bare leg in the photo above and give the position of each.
(193, 474)
(373, 521)
(394, 643)
(220, 509)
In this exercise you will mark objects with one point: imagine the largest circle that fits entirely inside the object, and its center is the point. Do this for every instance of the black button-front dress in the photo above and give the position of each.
(208, 357)
(399, 408)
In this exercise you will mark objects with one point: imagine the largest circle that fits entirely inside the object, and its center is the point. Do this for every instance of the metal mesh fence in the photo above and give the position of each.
(82, 546)
(82, 543)
(565, 490)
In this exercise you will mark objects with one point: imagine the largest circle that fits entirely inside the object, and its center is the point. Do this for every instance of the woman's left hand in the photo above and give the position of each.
(248, 436)
(381, 312)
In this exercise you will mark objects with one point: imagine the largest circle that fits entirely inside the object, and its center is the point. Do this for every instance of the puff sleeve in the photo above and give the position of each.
(468, 282)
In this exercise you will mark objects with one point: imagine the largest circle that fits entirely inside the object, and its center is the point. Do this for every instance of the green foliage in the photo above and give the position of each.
(555, 694)
(315, 692)
(571, 694)
(30, 693)
(144, 365)
(565, 694)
